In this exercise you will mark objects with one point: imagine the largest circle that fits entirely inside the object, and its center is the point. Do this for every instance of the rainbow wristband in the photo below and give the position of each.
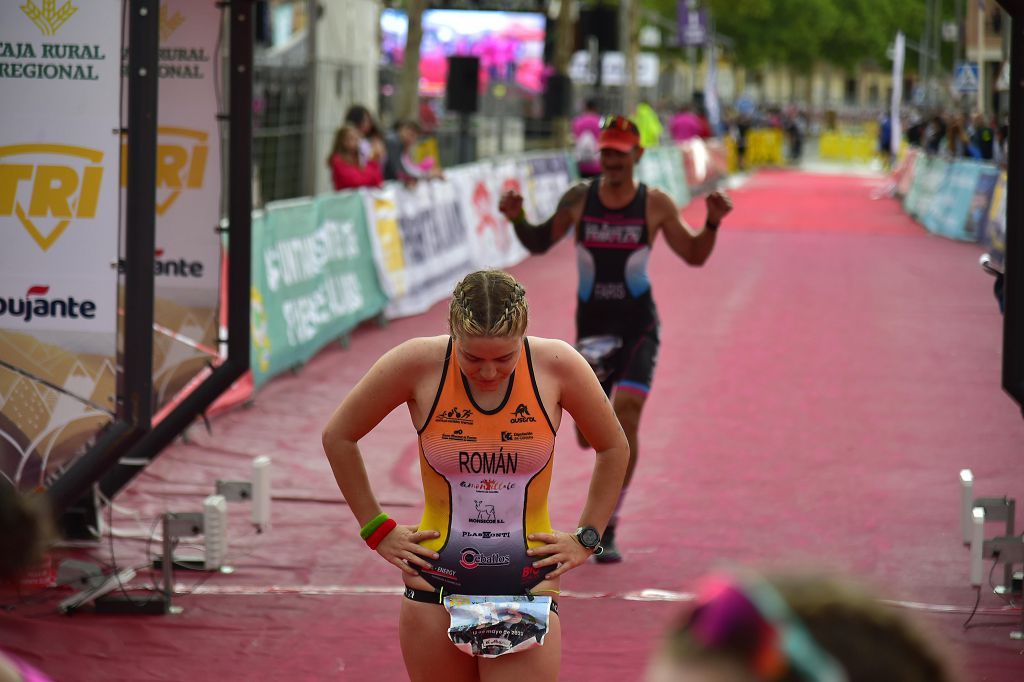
(380, 533)
(372, 525)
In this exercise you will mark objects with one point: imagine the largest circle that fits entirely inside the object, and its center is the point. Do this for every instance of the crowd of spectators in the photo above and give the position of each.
(363, 156)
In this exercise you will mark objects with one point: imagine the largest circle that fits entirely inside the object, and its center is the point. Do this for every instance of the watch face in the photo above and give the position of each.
(589, 537)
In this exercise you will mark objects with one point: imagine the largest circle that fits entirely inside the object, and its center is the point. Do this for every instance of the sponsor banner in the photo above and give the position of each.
(61, 84)
(58, 171)
(313, 279)
(42, 429)
(929, 175)
(977, 216)
(188, 176)
(994, 236)
(946, 213)
(420, 244)
(491, 237)
(546, 177)
(662, 167)
(188, 194)
(904, 173)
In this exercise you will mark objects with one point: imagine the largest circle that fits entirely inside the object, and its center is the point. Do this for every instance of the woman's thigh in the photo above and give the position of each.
(540, 664)
(429, 655)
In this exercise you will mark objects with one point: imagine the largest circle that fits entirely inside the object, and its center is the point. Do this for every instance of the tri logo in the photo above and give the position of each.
(47, 186)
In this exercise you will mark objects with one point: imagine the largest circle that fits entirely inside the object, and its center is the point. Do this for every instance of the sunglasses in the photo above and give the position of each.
(750, 618)
(619, 123)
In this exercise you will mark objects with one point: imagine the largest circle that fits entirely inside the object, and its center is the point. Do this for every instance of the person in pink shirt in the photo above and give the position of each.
(586, 128)
(686, 125)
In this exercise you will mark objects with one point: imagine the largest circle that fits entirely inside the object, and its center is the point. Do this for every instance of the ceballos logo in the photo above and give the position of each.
(471, 558)
(54, 193)
(35, 304)
(48, 18)
(181, 155)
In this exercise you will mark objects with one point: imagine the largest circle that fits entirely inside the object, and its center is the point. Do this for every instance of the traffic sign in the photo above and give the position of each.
(965, 77)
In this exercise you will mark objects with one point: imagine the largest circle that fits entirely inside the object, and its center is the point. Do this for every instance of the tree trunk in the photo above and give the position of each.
(408, 86)
(629, 14)
(560, 127)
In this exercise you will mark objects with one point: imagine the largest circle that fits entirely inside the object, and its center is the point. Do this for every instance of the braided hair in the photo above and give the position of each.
(488, 303)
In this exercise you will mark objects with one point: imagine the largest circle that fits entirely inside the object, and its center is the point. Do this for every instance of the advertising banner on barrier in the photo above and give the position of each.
(546, 177)
(663, 167)
(61, 82)
(977, 216)
(904, 173)
(994, 236)
(929, 175)
(313, 279)
(420, 244)
(492, 238)
(946, 213)
(188, 194)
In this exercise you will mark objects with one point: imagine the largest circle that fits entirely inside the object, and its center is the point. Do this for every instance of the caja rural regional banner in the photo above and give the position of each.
(188, 194)
(60, 78)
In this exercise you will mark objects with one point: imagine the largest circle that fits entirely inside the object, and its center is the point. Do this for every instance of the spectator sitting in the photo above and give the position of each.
(400, 163)
(346, 170)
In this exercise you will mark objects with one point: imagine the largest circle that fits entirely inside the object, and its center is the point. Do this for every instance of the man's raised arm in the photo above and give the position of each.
(539, 238)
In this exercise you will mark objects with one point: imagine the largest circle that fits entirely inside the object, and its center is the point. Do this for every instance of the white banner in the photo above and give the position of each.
(419, 242)
(188, 179)
(546, 178)
(61, 83)
(896, 132)
(188, 193)
(491, 237)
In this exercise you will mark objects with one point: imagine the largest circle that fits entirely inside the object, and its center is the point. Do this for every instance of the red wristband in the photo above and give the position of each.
(380, 533)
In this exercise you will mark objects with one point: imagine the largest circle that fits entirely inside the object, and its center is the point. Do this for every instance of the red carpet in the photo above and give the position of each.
(822, 381)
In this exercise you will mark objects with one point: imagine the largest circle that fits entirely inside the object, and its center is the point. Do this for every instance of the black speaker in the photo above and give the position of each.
(463, 84)
(558, 96)
(602, 22)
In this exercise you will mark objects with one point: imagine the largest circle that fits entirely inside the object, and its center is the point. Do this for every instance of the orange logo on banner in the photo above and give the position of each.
(169, 24)
(180, 163)
(48, 18)
(55, 191)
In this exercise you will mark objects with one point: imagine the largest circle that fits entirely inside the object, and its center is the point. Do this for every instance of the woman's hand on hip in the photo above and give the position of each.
(559, 548)
(401, 547)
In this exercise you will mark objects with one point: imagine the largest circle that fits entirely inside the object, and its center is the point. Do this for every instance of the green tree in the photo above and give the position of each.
(800, 33)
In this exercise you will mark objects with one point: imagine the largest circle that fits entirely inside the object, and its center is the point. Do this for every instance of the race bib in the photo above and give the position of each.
(491, 626)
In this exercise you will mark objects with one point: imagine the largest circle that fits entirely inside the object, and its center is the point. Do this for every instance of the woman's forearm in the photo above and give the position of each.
(605, 486)
(350, 473)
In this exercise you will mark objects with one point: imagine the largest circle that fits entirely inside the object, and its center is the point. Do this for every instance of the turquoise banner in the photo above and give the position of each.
(946, 213)
(313, 278)
(662, 167)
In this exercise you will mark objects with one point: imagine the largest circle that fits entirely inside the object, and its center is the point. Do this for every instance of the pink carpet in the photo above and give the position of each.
(822, 381)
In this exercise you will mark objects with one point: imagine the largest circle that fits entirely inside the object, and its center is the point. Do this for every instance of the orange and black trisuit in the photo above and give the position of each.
(486, 475)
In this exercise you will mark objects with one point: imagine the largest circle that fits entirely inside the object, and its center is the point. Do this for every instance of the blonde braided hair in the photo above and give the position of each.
(488, 303)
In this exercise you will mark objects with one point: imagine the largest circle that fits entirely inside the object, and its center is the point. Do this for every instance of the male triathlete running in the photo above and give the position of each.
(615, 221)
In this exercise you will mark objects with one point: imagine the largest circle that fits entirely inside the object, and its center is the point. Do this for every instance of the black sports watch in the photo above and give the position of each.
(589, 538)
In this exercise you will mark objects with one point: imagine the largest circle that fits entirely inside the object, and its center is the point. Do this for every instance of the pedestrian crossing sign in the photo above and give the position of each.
(965, 77)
